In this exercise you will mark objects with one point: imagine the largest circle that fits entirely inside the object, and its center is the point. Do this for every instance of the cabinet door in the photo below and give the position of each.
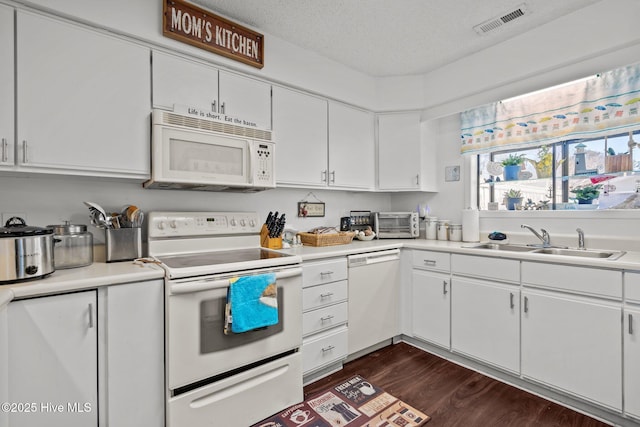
(53, 360)
(135, 349)
(4, 362)
(351, 148)
(246, 99)
(300, 129)
(399, 151)
(83, 100)
(485, 322)
(573, 344)
(631, 365)
(179, 81)
(431, 307)
(6, 87)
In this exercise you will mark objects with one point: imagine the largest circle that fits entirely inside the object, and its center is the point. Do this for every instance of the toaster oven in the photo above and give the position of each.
(396, 225)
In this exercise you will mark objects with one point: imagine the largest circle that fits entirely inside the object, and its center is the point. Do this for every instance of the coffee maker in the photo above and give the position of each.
(358, 220)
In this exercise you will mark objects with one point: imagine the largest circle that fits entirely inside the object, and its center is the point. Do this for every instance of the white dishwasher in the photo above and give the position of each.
(374, 288)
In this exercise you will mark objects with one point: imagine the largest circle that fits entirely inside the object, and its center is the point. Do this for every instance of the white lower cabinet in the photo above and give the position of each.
(485, 322)
(324, 317)
(574, 344)
(53, 361)
(631, 379)
(431, 306)
(4, 362)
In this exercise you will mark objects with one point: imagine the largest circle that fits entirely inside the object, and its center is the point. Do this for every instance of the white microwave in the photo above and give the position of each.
(193, 153)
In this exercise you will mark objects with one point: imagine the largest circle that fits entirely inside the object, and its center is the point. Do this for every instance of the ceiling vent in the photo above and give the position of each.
(495, 23)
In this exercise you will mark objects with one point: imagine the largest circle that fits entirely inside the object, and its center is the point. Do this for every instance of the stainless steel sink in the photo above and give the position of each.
(503, 247)
(582, 253)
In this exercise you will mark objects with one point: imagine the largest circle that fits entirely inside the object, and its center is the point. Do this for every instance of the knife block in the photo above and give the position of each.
(269, 242)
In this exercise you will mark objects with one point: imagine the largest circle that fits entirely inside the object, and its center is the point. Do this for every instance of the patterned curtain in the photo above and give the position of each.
(606, 104)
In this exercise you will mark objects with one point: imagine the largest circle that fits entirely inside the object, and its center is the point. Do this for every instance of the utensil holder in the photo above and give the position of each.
(269, 242)
(123, 244)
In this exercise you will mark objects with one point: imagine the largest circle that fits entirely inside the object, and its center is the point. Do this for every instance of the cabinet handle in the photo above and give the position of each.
(325, 273)
(214, 106)
(444, 287)
(430, 262)
(511, 300)
(526, 304)
(327, 295)
(326, 318)
(25, 155)
(329, 348)
(5, 155)
(90, 316)
(630, 324)
(418, 179)
(333, 177)
(323, 176)
(222, 108)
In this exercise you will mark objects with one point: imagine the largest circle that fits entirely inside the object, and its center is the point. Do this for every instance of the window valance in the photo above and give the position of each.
(603, 105)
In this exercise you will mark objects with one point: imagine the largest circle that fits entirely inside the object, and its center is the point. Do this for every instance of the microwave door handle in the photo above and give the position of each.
(250, 162)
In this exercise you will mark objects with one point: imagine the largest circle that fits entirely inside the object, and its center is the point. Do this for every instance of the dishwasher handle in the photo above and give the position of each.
(373, 258)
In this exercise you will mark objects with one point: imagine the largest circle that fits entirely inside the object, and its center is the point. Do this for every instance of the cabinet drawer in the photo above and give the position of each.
(324, 318)
(589, 281)
(440, 261)
(320, 272)
(632, 287)
(324, 349)
(506, 270)
(323, 295)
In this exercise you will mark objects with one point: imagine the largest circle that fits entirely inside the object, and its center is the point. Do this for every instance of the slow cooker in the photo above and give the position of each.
(26, 252)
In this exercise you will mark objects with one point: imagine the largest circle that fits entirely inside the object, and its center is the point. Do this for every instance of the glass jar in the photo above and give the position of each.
(431, 227)
(443, 229)
(73, 246)
(455, 232)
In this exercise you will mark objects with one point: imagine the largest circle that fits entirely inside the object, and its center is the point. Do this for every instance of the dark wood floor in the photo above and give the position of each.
(452, 395)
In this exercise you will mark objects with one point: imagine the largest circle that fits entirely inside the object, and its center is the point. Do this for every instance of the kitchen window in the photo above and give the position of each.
(551, 177)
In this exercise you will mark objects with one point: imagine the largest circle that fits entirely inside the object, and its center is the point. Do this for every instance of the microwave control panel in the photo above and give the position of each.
(264, 161)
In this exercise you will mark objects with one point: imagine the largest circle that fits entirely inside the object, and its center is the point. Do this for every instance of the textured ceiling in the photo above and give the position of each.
(390, 37)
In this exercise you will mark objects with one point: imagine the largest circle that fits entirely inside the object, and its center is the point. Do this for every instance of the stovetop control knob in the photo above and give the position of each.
(233, 222)
(252, 223)
(243, 222)
(161, 225)
(173, 224)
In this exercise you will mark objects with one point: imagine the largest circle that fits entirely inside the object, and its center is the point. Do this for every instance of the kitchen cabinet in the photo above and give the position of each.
(82, 100)
(351, 148)
(571, 337)
(399, 152)
(631, 378)
(53, 360)
(431, 307)
(300, 127)
(4, 361)
(324, 305)
(7, 142)
(134, 359)
(187, 83)
(485, 322)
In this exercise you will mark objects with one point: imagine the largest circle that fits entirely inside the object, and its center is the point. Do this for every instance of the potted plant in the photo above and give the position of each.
(513, 198)
(586, 193)
(512, 165)
(544, 164)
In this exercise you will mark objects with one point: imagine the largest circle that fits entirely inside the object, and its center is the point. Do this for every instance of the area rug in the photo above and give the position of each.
(353, 403)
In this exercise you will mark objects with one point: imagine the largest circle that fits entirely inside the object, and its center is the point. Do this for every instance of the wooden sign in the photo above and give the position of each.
(201, 28)
(308, 209)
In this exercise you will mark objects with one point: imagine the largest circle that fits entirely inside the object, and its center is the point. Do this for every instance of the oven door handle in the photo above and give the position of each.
(206, 285)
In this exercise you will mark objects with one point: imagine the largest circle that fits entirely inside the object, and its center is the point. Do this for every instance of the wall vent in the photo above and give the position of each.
(495, 23)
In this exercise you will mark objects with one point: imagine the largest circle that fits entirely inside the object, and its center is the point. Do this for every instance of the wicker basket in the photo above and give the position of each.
(326, 239)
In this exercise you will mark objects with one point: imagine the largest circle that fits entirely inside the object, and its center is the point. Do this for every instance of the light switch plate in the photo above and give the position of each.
(452, 173)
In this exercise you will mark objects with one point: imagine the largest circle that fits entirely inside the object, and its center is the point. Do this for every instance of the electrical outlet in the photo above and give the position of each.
(7, 215)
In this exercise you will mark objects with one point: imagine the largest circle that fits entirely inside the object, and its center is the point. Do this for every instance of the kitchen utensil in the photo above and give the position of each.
(73, 245)
(25, 252)
(99, 217)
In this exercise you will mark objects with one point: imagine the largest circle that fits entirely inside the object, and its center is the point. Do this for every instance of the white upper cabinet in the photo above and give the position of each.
(399, 152)
(351, 148)
(6, 88)
(183, 82)
(179, 81)
(300, 130)
(82, 100)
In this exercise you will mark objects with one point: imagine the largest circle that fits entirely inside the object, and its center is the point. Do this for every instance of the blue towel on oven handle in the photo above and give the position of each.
(252, 302)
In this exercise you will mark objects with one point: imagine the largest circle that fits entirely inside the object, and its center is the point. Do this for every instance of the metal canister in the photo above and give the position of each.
(73, 245)
(443, 229)
(431, 227)
(455, 232)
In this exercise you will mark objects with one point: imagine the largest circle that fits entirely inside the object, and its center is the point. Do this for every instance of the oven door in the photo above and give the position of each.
(198, 349)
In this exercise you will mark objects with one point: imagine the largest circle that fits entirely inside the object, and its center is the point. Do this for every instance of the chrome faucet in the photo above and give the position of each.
(544, 238)
(581, 239)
